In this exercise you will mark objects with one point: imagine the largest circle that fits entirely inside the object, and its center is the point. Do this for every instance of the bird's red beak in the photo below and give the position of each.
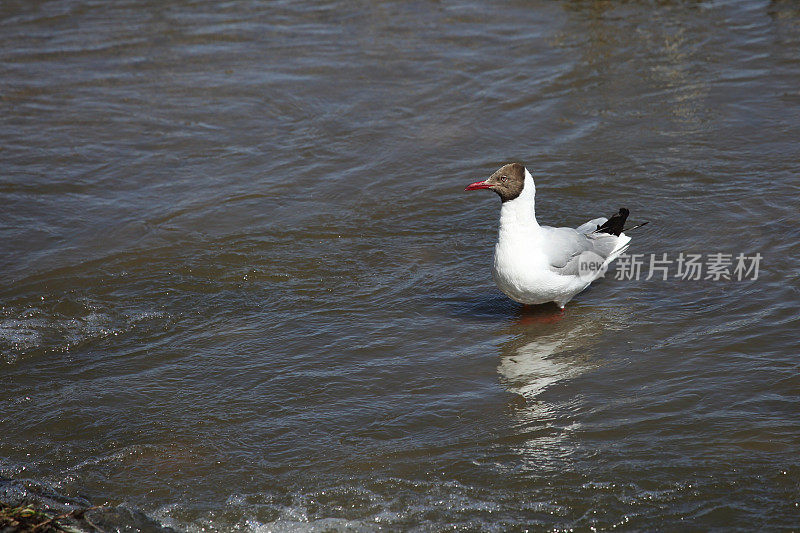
(477, 185)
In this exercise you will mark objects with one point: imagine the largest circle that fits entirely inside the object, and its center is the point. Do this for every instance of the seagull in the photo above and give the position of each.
(536, 264)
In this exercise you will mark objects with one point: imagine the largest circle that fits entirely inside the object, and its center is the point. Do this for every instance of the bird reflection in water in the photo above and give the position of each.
(547, 345)
(547, 348)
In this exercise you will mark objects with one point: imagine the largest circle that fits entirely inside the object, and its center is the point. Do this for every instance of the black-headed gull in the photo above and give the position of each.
(536, 264)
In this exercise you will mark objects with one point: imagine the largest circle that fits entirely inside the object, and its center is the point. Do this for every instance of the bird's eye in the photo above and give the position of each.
(503, 178)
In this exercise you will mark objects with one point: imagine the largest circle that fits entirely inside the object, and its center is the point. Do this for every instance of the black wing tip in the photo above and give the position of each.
(646, 222)
(615, 224)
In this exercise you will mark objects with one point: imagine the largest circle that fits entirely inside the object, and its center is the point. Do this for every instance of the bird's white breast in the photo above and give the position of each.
(521, 272)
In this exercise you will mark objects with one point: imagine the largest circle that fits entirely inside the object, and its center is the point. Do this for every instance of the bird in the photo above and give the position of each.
(535, 264)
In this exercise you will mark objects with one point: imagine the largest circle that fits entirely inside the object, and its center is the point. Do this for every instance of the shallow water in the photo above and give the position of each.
(241, 286)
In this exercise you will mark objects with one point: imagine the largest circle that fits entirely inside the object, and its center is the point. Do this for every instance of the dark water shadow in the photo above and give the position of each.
(499, 307)
(479, 305)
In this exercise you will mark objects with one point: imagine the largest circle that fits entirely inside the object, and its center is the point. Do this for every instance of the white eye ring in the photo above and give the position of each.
(503, 178)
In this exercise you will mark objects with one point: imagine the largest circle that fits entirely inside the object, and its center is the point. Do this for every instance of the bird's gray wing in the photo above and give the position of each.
(570, 252)
(591, 226)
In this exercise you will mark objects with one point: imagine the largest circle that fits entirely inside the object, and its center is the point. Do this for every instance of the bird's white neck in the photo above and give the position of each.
(519, 213)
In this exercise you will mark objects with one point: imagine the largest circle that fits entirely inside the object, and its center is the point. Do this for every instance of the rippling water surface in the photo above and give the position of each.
(241, 286)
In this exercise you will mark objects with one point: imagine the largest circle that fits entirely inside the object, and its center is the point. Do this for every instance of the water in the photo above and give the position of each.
(241, 286)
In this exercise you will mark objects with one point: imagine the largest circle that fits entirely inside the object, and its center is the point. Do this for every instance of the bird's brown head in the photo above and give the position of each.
(507, 182)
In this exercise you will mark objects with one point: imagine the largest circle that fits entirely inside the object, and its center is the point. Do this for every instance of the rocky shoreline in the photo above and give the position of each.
(27, 518)
(33, 507)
